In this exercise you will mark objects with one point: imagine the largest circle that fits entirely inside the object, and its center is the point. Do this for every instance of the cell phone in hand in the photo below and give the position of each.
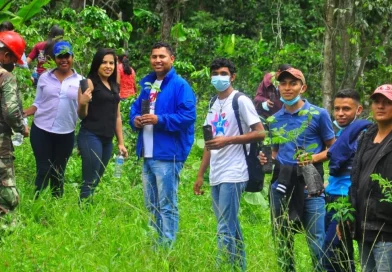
(83, 85)
(145, 106)
(207, 133)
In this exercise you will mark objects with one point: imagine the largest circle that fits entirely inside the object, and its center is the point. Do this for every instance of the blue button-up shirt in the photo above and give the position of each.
(317, 132)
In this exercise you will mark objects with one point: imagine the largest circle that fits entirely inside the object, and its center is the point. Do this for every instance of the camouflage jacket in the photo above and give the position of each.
(11, 117)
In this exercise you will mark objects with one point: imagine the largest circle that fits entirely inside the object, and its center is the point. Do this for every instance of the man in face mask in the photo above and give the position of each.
(347, 107)
(12, 47)
(224, 154)
(288, 191)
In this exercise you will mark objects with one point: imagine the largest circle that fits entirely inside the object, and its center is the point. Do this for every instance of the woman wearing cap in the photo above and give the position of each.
(373, 216)
(99, 110)
(55, 117)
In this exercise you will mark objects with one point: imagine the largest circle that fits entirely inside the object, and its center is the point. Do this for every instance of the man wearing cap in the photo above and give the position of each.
(373, 220)
(288, 194)
(12, 47)
(55, 116)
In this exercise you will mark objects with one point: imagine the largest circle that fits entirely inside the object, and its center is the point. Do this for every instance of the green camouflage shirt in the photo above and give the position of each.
(11, 117)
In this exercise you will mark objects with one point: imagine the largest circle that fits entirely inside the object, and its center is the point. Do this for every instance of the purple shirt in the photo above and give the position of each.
(57, 103)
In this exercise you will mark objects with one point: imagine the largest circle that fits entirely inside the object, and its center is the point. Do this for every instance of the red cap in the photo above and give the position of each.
(295, 73)
(385, 90)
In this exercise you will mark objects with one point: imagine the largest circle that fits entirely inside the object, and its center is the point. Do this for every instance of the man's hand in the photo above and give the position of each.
(262, 158)
(270, 104)
(138, 122)
(197, 187)
(216, 143)
(339, 229)
(304, 159)
(26, 132)
(149, 119)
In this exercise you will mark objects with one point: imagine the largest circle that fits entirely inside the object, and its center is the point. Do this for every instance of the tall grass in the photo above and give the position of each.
(51, 234)
(112, 235)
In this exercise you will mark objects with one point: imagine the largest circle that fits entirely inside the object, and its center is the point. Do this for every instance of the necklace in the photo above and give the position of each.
(221, 105)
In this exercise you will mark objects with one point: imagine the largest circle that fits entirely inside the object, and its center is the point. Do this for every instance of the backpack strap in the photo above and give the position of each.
(212, 101)
(237, 116)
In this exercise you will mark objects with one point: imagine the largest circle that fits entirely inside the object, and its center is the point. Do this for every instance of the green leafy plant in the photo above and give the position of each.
(343, 208)
(281, 136)
(386, 186)
(268, 140)
(153, 86)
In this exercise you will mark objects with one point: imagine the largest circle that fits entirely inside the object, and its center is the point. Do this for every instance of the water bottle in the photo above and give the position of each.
(118, 166)
(35, 73)
(17, 138)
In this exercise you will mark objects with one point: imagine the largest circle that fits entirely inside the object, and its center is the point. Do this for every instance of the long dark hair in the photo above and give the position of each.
(97, 61)
(56, 34)
(125, 62)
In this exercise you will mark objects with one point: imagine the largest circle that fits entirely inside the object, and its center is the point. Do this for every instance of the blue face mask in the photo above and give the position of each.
(221, 83)
(290, 102)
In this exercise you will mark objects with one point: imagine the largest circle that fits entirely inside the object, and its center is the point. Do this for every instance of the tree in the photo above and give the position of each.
(168, 9)
(328, 82)
(356, 32)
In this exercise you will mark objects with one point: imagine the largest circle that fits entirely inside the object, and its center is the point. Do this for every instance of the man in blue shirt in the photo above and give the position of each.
(291, 205)
(339, 255)
(166, 134)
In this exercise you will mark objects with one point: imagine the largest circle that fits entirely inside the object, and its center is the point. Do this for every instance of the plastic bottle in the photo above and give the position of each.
(17, 138)
(118, 166)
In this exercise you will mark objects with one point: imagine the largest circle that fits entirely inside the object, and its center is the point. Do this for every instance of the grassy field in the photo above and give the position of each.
(112, 235)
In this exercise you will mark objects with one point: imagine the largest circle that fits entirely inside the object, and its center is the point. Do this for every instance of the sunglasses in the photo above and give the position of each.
(63, 56)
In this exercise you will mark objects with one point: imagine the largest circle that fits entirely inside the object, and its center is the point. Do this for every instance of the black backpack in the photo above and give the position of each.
(255, 170)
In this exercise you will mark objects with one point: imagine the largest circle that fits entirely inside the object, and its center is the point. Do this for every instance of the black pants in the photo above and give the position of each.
(51, 152)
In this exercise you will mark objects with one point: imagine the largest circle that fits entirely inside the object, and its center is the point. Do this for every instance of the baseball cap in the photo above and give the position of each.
(61, 48)
(295, 73)
(385, 90)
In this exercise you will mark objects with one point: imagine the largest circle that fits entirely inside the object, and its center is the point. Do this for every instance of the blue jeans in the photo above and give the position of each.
(339, 254)
(51, 152)
(226, 203)
(375, 256)
(96, 152)
(284, 230)
(160, 187)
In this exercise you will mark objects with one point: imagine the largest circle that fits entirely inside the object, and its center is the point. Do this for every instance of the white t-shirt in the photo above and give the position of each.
(148, 130)
(228, 164)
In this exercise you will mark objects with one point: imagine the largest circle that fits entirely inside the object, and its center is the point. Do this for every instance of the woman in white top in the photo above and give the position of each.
(55, 116)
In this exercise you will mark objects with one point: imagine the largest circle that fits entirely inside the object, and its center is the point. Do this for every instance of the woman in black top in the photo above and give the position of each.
(99, 110)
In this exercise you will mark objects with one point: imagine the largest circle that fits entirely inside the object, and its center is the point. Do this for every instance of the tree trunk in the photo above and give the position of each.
(167, 18)
(76, 4)
(349, 52)
(328, 81)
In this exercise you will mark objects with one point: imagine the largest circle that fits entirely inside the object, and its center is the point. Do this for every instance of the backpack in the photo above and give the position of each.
(255, 170)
